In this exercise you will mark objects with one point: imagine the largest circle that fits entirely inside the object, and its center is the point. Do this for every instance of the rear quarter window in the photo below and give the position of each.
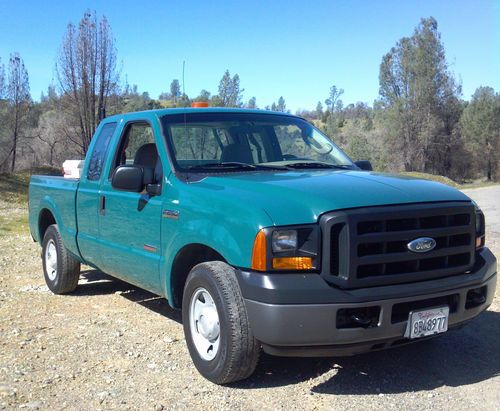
(99, 152)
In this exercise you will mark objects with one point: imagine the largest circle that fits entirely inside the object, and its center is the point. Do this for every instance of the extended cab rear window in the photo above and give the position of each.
(99, 153)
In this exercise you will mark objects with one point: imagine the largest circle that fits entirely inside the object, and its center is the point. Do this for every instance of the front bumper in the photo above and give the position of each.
(296, 314)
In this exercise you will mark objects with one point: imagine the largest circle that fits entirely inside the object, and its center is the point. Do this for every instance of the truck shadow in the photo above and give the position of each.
(462, 357)
(94, 282)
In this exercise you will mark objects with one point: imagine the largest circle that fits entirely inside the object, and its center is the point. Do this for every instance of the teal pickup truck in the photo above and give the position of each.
(266, 235)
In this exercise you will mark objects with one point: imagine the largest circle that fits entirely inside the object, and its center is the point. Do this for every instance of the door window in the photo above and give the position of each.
(137, 147)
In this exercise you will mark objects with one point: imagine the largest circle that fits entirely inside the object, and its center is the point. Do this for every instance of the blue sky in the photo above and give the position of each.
(279, 48)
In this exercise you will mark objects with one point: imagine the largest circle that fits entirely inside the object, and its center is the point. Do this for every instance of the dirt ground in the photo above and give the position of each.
(113, 346)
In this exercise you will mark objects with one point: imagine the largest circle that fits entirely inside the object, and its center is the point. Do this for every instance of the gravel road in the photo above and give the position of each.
(113, 346)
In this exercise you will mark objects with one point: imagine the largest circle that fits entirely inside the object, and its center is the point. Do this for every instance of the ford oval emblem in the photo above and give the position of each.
(422, 245)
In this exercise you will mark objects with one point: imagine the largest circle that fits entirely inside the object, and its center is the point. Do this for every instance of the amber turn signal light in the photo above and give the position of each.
(259, 252)
(199, 104)
(292, 263)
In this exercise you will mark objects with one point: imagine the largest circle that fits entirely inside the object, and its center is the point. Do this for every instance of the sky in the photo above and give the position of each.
(294, 49)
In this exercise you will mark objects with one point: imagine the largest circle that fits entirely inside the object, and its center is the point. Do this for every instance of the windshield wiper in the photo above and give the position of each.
(223, 165)
(318, 165)
(236, 166)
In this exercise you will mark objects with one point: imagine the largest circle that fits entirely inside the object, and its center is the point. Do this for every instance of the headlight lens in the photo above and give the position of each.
(480, 227)
(479, 222)
(287, 249)
(284, 240)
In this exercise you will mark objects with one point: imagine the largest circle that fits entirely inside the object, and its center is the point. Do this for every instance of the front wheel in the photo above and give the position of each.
(61, 270)
(218, 334)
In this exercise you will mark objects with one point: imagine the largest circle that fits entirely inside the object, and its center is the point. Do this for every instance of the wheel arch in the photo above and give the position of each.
(45, 219)
(185, 259)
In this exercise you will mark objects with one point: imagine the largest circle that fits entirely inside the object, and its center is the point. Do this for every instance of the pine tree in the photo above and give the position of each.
(480, 127)
(230, 93)
(175, 90)
(417, 92)
(281, 105)
(252, 103)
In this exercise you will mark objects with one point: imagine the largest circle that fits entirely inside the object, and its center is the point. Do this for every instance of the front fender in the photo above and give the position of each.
(229, 235)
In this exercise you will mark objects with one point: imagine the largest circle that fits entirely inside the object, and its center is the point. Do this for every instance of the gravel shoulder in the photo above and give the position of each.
(113, 346)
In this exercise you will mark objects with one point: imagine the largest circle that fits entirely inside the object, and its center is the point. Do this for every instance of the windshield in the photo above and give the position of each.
(209, 142)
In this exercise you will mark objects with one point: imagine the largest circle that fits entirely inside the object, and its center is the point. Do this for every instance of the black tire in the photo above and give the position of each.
(238, 351)
(64, 278)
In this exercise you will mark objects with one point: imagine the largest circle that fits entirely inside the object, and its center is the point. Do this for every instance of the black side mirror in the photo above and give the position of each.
(153, 189)
(364, 165)
(128, 178)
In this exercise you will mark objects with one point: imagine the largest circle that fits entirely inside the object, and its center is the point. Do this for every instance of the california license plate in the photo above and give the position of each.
(427, 322)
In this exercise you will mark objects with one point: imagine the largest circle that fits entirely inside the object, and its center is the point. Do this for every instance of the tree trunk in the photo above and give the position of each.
(14, 147)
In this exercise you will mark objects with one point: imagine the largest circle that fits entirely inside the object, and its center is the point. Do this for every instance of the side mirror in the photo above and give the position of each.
(128, 178)
(153, 189)
(364, 165)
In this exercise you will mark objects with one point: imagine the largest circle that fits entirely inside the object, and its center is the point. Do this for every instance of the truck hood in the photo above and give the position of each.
(298, 197)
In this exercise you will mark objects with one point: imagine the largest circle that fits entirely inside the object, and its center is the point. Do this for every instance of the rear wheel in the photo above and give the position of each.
(61, 270)
(216, 326)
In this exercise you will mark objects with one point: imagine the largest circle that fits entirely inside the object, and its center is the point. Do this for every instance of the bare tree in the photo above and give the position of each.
(87, 74)
(2, 80)
(19, 102)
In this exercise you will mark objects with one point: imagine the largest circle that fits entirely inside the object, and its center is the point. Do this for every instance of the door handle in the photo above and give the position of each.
(102, 205)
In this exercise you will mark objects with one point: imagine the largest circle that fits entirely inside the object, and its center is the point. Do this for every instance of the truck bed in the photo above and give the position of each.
(57, 195)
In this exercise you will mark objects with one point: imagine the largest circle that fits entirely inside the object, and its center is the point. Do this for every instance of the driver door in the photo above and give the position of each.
(129, 222)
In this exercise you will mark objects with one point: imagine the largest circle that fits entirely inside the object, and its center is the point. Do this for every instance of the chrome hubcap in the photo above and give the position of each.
(204, 324)
(51, 260)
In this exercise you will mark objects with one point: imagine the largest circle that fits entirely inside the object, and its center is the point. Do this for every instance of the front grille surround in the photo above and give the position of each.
(366, 247)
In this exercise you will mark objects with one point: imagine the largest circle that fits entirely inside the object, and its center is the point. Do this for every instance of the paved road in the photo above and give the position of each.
(488, 199)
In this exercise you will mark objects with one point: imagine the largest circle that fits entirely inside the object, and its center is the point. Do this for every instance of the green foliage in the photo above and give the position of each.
(203, 96)
(417, 92)
(252, 103)
(418, 124)
(175, 89)
(333, 101)
(230, 93)
(319, 109)
(480, 127)
(281, 106)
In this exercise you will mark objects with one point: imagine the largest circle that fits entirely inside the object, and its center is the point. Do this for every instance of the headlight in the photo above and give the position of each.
(291, 249)
(480, 227)
(284, 240)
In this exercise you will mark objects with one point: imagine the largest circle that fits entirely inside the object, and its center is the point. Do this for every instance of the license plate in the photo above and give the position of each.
(427, 322)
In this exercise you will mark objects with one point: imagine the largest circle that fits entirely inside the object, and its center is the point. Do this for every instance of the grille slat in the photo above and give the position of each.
(374, 247)
(409, 256)
(403, 235)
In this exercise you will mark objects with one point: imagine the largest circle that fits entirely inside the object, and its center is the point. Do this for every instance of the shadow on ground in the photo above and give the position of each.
(97, 283)
(461, 357)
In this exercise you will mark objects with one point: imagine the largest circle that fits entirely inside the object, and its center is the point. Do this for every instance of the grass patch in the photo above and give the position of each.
(14, 200)
(14, 187)
(15, 223)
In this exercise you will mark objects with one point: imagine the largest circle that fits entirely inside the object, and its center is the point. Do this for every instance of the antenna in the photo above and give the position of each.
(183, 87)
